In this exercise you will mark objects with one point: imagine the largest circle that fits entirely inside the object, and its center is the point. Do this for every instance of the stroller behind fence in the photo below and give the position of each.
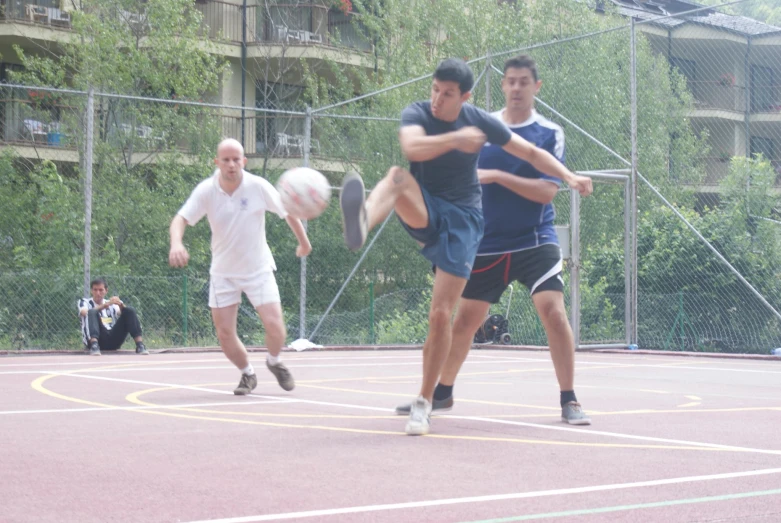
(495, 328)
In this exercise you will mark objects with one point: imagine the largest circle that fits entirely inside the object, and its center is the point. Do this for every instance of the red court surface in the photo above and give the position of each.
(163, 439)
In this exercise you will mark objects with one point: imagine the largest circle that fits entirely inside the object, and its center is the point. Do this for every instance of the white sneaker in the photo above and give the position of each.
(419, 417)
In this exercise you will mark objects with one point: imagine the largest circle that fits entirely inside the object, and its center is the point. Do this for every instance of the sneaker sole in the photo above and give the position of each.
(434, 412)
(416, 431)
(584, 421)
(351, 201)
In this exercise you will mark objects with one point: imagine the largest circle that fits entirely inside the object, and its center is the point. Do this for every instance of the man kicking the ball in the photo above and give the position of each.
(439, 201)
(235, 203)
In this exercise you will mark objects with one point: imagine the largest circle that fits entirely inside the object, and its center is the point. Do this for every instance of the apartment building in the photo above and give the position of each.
(732, 66)
(264, 41)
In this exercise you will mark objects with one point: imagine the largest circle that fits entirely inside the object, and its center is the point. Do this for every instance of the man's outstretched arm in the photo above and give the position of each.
(546, 163)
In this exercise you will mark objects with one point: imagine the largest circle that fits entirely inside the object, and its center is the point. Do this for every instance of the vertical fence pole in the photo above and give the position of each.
(371, 312)
(88, 144)
(243, 70)
(185, 312)
(574, 287)
(302, 281)
(633, 110)
(627, 262)
(488, 72)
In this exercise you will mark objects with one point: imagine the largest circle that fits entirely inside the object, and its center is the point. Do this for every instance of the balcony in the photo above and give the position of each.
(718, 100)
(41, 15)
(283, 24)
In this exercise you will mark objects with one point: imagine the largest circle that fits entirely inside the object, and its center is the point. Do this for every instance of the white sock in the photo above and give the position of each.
(248, 370)
(272, 360)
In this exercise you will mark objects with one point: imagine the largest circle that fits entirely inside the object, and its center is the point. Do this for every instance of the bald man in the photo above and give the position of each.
(235, 203)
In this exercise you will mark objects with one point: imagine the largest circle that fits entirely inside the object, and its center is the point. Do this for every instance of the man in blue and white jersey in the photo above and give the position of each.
(438, 201)
(519, 242)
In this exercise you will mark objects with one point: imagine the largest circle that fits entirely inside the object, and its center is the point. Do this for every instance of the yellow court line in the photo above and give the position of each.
(38, 384)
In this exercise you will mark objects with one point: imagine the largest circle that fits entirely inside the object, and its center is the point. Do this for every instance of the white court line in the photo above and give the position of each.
(146, 407)
(227, 366)
(135, 359)
(671, 365)
(579, 431)
(492, 497)
(614, 434)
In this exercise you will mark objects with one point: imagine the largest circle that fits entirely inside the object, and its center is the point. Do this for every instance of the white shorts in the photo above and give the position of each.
(260, 289)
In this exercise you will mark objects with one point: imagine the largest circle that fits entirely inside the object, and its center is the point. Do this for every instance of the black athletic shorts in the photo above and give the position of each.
(539, 268)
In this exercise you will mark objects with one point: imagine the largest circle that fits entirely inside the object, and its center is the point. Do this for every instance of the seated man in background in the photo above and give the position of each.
(105, 324)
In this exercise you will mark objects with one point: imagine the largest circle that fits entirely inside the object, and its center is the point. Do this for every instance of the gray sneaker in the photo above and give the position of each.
(141, 349)
(283, 375)
(573, 414)
(352, 200)
(437, 406)
(419, 417)
(246, 385)
(94, 349)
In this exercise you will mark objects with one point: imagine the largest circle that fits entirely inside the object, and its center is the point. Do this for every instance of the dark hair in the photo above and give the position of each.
(455, 70)
(98, 281)
(522, 62)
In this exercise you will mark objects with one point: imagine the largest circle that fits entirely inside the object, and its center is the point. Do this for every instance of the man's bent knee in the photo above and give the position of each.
(399, 178)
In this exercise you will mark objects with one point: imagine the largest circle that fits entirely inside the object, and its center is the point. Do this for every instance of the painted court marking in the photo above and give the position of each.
(490, 498)
(637, 506)
(691, 445)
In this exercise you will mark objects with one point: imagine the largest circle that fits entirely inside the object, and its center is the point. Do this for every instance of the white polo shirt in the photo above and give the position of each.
(238, 223)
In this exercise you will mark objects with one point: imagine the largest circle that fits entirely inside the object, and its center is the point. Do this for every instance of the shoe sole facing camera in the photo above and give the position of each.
(352, 200)
(439, 406)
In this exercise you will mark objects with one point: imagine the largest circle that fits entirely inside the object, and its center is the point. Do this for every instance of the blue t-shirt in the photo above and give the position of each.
(512, 222)
(453, 176)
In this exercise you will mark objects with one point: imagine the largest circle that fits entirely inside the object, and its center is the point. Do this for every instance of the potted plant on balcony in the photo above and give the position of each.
(45, 100)
(345, 6)
(727, 80)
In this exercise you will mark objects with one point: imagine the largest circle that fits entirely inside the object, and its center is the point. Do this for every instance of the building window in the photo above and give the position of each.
(278, 133)
(762, 89)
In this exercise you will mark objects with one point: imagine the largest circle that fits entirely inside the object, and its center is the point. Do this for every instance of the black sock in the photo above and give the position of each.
(443, 392)
(567, 396)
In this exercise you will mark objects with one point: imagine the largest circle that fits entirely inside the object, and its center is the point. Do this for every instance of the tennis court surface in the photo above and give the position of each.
(163, 439)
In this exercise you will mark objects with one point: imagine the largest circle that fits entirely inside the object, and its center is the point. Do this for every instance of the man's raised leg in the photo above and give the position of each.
(397, 190)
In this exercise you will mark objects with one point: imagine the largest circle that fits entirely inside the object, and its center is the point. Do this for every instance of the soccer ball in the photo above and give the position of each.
(304, 191)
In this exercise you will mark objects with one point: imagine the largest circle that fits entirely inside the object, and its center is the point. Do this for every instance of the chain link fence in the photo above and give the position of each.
(706, 213)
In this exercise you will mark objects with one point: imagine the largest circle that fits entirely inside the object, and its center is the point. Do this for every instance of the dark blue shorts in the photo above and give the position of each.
(453, 234)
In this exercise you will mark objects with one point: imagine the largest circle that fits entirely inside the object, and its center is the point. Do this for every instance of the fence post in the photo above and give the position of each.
(302, 282)
(633, 110)
(184, 308)
(88, 143)
(574, 289)
(488, 71)
(371, 312)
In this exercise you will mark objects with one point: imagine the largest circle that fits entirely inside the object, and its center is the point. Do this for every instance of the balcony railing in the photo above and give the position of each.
(289, 24)
(717, 95)
(39, 13)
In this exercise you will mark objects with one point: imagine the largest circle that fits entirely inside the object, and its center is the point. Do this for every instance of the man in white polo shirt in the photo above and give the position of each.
(235, 203)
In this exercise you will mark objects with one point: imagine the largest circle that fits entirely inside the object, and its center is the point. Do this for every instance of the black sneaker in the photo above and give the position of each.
(351, 200)
(246, 385)
(284, 378)
(436, 406)
(141, 349)
(94, 349)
